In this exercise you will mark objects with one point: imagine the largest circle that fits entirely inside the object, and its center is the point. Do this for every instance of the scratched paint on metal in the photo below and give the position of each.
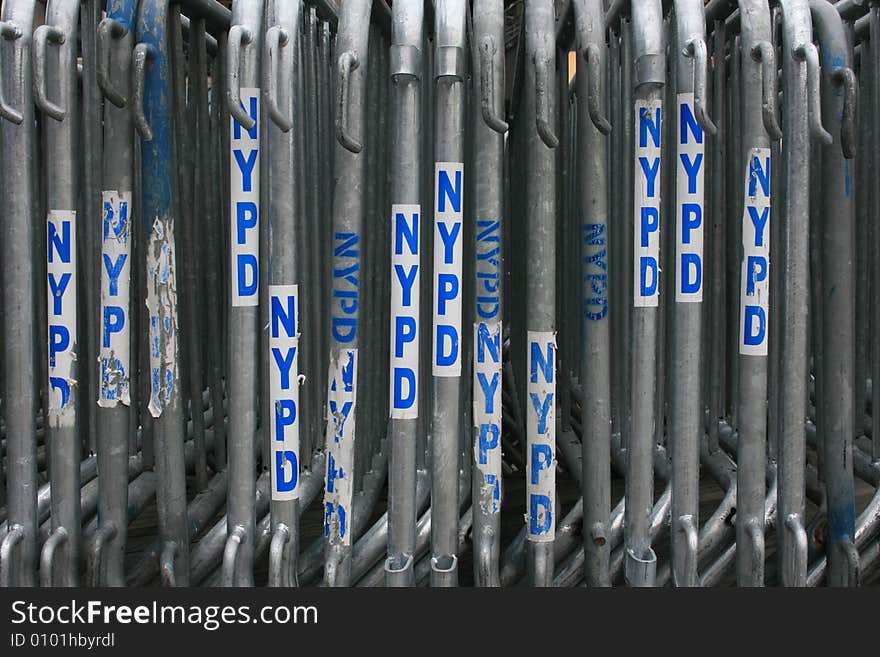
(339, 482)
(541, 436)
(115, 343)
(284, 390)
(62, 314)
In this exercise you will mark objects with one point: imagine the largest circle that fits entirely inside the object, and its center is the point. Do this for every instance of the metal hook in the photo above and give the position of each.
(806, 52)
(487, 86)
(763, 52)
(348, 62)
(10, 32)
(139, 55)
(846, 78)
(594, 94)
(851, 554)
(44, 35)
(108, 30)
(238, 35)
(542, 101)
(276, 39)
(696, 49)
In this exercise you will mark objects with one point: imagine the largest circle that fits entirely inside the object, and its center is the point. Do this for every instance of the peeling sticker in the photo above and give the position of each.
(341, 398)
(114, 356)
(62, 313)
(162, 309)
(284, 382)
(755, 279)
(404, 393)
(487, 413)
(541, 436)
(244, 185)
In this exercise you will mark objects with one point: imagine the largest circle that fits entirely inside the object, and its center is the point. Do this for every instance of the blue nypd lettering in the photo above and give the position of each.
(646, 221)
(62, 312)
(689, 204)
(404, 392)
(115, 298)
(284, 390)
(448, 212)
(755, 278)
(244, 179)
(541, 436)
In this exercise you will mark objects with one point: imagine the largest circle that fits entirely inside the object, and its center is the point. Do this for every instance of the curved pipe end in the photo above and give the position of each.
(230, 555)
(795, 557)
(47, 556)
(102, 536)
(688, 537)
(239, 36)
(348, 62)
(12, 539)
(139, 56)
(280, 537)
(487, 86)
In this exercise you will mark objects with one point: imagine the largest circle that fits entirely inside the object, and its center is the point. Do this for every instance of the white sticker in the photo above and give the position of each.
(487, 413)
(689, 195)
(755, 279)
(341, 398)
(116, 218)
(541, 436)
(646, 219)
(448, 237)
(62, 309)
(162, 309)
(404, 384)
(284, 390)
(244, 185)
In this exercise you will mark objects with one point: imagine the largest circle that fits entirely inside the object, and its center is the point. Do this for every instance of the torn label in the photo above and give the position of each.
(487, 412)
(115, 298)
(62, 312)
(341, 398)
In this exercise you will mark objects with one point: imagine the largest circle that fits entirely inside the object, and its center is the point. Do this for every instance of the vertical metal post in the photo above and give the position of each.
(58, 74)
(17, 139)
(837, 406)
(285, 247)
(758, 119)
(540, 300)
(245, 125)
(348, 215)
(449, 103)
(489, 129)
(649, 78)
(115, 43)
(596, 357)
(802, 120)
(691, 124)
(406, 231)
(151, 107)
